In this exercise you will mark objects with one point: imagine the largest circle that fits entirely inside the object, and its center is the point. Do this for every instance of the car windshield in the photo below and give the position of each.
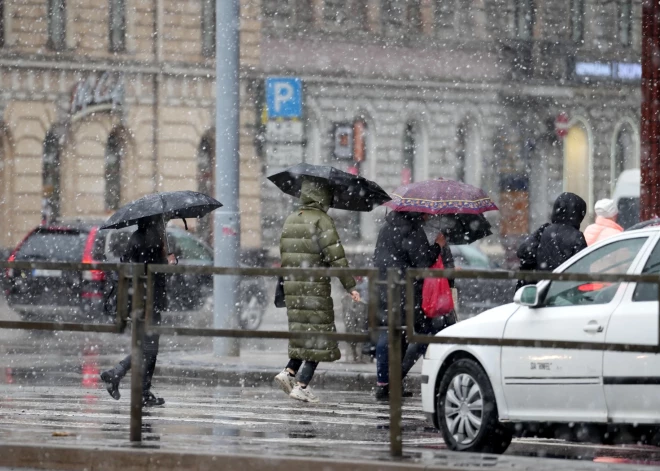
(116, 247)
(59, 246)
(614, 258)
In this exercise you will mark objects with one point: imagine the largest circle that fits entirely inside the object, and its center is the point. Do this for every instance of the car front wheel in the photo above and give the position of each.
(467, 411)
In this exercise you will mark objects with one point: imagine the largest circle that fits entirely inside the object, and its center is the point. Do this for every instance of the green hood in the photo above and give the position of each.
(316, 193)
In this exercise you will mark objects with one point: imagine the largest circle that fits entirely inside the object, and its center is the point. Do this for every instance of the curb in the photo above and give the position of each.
(61, 458)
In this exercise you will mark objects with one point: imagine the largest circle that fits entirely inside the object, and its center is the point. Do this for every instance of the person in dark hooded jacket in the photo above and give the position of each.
(552, 244)
(402, 243)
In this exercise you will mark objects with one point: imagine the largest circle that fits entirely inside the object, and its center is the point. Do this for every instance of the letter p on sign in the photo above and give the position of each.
(284, 97)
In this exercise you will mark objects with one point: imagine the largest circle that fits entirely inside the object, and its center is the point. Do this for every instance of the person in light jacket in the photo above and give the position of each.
(605, 225)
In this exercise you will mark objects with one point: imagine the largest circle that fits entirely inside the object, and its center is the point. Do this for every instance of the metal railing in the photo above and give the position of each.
(142, 281)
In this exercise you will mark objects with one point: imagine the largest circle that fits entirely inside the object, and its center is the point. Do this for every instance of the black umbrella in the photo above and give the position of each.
(350, 192)
(171, 205)
(459, 229)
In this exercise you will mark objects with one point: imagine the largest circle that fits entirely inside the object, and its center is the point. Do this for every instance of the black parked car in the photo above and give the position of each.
(64, 294)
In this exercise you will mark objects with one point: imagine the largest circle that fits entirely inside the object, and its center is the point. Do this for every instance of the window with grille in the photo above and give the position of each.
(117, 25)
(402, 16)
(57, 24)
(345, 14)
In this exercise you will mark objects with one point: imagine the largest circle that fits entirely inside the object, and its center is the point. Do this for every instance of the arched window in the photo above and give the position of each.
(410, 150)
(577, 163)
(524, 19)
(117, 25)
(208, 28)
(51, 178)
(205, 182)
(115, 151)
(57, 24)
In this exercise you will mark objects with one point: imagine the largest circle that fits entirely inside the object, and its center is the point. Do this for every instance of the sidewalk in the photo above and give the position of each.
(252, 369)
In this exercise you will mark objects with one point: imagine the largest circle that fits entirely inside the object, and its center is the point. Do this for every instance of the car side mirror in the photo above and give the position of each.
(527, 296)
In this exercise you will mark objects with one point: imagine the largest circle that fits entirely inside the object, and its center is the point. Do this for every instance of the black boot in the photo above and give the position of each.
(383, 392)
(111, 378)
(149, 400)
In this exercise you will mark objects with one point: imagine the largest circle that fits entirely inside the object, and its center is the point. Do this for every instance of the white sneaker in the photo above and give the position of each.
(285, 381)
(304, 395)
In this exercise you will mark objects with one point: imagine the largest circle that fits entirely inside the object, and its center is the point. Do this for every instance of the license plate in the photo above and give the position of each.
(47, 273)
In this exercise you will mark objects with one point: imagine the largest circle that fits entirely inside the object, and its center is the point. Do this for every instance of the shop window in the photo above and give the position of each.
(117, 25)
(625, 22)
(208, 28)
(114, 155)
(524, 19)
(445, 10)
(460, 153)
(468, 155)
(57, 24)
(577, 20)
(51, 178)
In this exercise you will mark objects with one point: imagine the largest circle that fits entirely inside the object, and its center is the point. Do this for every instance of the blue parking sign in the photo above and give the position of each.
(284, 97)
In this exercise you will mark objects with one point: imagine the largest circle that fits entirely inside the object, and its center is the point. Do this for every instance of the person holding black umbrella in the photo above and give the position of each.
(146, 245)
(309, 239)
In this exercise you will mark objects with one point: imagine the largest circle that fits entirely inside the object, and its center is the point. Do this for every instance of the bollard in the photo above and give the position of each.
(395, 359)
(137, 357)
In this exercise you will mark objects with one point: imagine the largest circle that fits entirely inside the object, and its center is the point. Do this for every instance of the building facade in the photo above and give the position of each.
(525, 98)
(103, 101)
(106, 100)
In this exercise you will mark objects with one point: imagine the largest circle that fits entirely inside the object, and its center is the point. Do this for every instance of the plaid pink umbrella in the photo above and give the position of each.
(441, 196)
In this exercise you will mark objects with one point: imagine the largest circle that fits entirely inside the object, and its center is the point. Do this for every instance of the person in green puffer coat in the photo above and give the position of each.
(309, 239)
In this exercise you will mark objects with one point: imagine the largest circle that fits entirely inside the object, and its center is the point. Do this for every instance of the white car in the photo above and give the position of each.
(479, 396)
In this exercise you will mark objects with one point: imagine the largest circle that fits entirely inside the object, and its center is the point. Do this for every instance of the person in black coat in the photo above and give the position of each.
(146, 245)
(402, 243)
(552, 244)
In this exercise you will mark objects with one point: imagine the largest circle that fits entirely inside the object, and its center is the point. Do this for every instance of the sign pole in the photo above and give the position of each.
(226, 231)
(650, 132)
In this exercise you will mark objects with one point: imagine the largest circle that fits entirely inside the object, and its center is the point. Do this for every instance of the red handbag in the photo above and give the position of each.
(437, 299)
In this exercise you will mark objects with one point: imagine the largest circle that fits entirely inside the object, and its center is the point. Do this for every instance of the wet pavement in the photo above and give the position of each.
(262, 420)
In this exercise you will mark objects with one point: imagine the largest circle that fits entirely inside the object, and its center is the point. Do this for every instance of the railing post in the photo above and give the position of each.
(137, 357)
(395, 359)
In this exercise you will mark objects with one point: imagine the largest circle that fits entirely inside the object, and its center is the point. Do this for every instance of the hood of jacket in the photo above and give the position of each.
(569, 209)
(316, 193)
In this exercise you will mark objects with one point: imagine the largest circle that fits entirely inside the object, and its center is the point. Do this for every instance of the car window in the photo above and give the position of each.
(474, 258)
(614, 258)
(649, 291)
(58, 246)
(188, 248)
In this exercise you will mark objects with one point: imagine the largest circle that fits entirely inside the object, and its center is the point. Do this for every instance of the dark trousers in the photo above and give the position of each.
(410, 352)
(307, 372)
(150, 355)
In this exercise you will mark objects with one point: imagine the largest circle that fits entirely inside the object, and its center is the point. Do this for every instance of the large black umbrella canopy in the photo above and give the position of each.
(459, 229)
(350, 192)
(169, 204)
